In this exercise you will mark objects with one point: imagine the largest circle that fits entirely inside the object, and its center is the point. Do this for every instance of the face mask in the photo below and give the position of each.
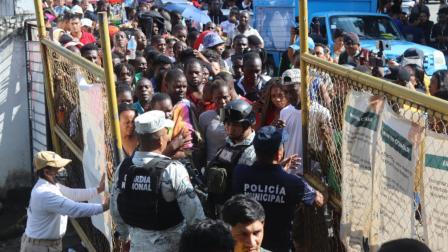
(62, 176)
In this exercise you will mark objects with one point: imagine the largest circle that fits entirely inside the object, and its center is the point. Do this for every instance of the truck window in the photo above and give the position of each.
(367, 27)
(318, 30)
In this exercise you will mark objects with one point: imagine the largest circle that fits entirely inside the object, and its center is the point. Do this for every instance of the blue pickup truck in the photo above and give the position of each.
(372, 27)
(275, 18)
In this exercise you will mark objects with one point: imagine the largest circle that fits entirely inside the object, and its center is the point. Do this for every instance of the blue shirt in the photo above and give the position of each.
(398, 23)
(155, 85)
(279, 192)
(138, 107)
(60, 10)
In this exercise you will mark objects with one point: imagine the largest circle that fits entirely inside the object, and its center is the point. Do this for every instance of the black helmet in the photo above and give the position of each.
(239, 111)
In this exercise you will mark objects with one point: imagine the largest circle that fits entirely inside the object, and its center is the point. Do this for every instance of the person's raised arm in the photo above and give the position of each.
(309, 195)
(59, 204)
(83, 194)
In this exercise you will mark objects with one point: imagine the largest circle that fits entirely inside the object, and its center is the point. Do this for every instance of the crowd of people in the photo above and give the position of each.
(415, 23)
(212, 140)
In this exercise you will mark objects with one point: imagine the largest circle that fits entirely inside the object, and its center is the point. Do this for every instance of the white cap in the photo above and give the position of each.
(86, 22)
(292, 77)
(152, 121)
(77, 10)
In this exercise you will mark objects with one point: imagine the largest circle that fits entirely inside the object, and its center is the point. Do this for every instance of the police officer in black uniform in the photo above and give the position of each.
(278, 191)
(238, 120)
(152, 196)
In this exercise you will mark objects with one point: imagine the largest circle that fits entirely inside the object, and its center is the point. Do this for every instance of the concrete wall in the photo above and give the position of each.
(15, 157)
(15, 163)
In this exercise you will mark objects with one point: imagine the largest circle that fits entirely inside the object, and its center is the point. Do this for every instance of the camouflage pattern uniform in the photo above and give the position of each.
(176, 185)
(248, 157)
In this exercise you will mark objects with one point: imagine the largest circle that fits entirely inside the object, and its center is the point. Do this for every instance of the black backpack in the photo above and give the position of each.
(219, 171)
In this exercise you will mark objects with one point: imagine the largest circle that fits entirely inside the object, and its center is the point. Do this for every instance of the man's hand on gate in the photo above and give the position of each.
(102, 185)
(291, 163)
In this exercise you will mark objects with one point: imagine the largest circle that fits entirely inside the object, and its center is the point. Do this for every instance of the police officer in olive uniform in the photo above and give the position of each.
(238, 120)
(152, 196)
(278, 191)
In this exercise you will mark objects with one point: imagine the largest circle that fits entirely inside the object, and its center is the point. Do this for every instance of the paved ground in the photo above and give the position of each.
(13, 221)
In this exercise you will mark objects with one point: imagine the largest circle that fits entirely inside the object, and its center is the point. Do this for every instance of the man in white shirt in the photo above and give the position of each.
(152, 197)
(244, 28)
(51, 203)
(291, 115)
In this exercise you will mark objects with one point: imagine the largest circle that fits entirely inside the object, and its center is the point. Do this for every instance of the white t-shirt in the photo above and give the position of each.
(51, 204)
(293, 121)
(227, 26)
(250, 31)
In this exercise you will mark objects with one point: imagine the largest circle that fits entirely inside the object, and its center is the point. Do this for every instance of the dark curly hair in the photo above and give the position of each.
(207, 236)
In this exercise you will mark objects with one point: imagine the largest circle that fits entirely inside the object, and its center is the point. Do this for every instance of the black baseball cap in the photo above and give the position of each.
(268, 140)
(351, 38)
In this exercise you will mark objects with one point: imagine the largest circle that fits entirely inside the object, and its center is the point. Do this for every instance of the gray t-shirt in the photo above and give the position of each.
(213, 130)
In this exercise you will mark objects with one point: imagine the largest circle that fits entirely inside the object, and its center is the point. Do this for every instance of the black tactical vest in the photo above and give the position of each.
(140, 201)
(219, 172)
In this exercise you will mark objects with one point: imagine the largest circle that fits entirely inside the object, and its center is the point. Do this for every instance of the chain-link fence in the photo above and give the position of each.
(66, 101)
(36, 91)
(329, 85)
(70, 79)
(68, 124)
